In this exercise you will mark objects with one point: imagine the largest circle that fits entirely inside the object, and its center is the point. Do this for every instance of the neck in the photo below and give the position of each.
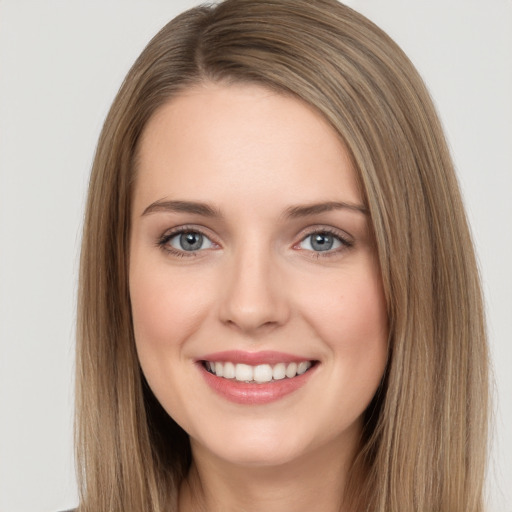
(315, 481)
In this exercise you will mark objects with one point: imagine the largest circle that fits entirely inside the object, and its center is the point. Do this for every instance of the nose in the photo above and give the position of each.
(254, 299)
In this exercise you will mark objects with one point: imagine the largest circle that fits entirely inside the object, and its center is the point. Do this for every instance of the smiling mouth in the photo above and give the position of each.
(258, 374)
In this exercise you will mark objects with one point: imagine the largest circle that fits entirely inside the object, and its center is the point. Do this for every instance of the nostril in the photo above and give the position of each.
(252, 300)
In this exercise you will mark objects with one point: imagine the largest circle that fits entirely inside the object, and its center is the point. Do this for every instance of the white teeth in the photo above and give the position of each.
(279, 371)
(263, 373)
(303, 367)
(243, 372)
(229, 371)
(260, 373)
(291, 370)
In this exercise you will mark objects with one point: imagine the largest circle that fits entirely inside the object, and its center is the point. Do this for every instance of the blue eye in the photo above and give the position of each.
(188, 241)
(322, 241)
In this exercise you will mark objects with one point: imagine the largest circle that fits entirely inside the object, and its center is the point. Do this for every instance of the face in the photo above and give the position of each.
(258, 309)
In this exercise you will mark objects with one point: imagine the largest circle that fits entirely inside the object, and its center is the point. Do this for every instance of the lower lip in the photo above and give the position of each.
(253, 393)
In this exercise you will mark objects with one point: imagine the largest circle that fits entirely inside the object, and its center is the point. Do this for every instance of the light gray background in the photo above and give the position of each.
(61, 63)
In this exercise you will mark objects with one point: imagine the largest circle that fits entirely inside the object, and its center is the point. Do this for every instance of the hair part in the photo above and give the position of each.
(424, 442)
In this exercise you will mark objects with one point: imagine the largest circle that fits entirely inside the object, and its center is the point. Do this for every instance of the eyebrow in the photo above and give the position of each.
(193, 207)
(316, 208)
(206, 210)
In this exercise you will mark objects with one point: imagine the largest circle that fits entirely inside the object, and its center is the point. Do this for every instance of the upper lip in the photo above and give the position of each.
(254, 358)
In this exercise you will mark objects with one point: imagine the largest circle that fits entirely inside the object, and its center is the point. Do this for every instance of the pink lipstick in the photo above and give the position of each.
(255, 377)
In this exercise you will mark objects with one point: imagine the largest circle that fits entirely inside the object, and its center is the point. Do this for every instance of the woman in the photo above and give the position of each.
(279, 301)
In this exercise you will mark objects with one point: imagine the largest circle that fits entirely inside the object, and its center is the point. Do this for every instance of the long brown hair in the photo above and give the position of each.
(424, 440)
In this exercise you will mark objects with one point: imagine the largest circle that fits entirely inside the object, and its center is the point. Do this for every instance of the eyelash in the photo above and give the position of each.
(163, 242)
(346, 243)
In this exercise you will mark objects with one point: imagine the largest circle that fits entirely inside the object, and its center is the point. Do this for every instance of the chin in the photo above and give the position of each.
(268, 445)
(257, 447)
(258, 456)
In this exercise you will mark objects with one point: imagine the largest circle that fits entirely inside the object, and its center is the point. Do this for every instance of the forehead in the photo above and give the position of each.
(221, 142)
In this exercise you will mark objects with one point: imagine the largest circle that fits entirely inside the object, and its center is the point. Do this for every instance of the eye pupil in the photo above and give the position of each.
(322, 242)
(191, 241)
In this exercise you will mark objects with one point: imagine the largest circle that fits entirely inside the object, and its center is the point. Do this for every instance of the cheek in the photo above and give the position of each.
(351, 304)
(351, 318)
(166, 310)
(166, 314)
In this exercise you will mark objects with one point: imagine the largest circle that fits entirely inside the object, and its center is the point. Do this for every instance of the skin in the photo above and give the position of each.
(256, 284)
